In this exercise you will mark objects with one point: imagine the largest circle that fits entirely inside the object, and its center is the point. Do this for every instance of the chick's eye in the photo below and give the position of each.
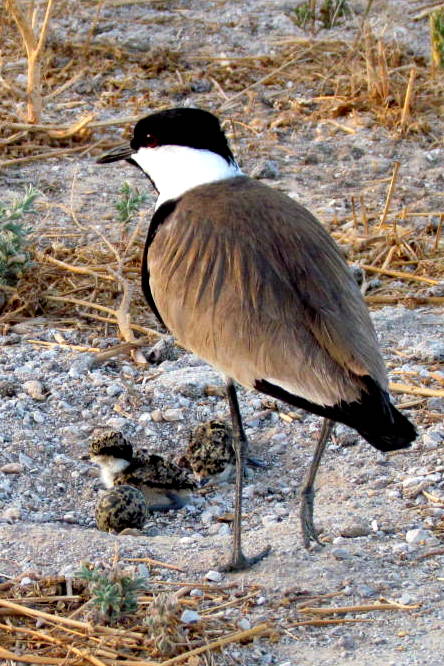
(151, 141)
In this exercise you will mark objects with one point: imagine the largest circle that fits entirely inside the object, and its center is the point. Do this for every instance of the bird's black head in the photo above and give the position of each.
(194, 128)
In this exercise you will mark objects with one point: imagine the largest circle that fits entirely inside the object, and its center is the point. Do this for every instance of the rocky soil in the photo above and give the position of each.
(383, 533)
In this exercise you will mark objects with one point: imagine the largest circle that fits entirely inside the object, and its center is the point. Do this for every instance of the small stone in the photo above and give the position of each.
(35, 389)
(196, 592)
(8, 389)
(174, 414)
(69, 517)
(189, 616)
(81, 365)
(114, 390)
(340, 554)
(38, 417)
(156, 415)
(414, 537)
(366, 591)
(346, 642)
(224, 530)
(405, 599)
(355, 530)
(12, 513)
(266, 169)
(12, 468)
(214, 576)
(244, 624)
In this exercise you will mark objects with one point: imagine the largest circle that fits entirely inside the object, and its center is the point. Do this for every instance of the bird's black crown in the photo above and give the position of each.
(194, 128)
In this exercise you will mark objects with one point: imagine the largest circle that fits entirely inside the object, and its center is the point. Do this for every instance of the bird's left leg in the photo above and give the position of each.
(307, 493)
(238, 559)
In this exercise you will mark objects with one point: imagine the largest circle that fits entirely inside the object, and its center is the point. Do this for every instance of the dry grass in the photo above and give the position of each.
(52, 621)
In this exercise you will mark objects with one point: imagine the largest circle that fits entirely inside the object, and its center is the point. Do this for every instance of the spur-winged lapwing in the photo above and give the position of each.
(249, 280)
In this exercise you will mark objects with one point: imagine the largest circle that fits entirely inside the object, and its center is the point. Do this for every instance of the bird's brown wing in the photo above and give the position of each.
(250, 281)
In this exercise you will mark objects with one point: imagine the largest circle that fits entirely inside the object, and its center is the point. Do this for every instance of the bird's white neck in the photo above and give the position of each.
(109, 467)
(176, 169)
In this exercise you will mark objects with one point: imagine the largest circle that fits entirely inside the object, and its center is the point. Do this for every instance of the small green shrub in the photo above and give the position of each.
(14, 256)
(129, 203)
(114, 594)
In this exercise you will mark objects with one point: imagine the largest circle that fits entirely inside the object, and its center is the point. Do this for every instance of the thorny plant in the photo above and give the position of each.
(14, 258)
(129, 203)
(164, 625)
(114, 594)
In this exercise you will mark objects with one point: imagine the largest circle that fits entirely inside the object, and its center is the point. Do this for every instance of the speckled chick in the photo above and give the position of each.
(120, 508)
(210, 451)
(164, 484)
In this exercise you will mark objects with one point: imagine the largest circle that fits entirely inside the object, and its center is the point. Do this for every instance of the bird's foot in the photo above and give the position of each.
(309, 533)
(239, 562)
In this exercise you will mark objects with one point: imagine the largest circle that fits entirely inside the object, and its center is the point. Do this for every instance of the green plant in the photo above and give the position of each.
(437, 37)
(328, 12)
(303, 14)
(14, 258)
(129, 203)
(331, 10)
(114, 594)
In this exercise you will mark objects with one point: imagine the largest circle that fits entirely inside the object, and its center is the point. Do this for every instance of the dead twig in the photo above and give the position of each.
(34, 44)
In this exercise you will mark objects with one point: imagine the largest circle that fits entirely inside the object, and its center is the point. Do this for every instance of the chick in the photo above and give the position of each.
(210, 451)
(120, 508)
(156, 477)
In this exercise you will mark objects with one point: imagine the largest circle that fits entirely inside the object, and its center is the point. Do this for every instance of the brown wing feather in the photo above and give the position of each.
(263, 295)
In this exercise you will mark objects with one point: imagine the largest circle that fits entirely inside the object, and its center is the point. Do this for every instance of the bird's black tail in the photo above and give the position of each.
(374, 416)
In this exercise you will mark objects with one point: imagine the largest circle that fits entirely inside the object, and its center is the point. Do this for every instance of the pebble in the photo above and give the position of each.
(12, 513)
(12, 468)
(366, 591)
(214, 576)
(189, 616)
(355, 530)
(156, 416)
(35, 389)
(173, 414)
(114, 390)
(244, 624)
(341, 554)
(196, 592)
(416, 536)
(38, 417)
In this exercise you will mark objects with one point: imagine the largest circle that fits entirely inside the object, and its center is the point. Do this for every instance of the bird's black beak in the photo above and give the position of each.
(122, 152)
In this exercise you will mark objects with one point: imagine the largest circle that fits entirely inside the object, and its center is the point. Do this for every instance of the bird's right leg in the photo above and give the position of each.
(307, 493)
(238, 560)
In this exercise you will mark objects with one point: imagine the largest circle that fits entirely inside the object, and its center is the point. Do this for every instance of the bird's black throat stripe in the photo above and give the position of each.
(159, 217)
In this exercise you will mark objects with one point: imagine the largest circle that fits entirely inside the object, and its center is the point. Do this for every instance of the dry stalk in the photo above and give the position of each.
(34, 42)
(390, 192)
(398, 387)
(407, 100)
(399, 274)
(365, 608)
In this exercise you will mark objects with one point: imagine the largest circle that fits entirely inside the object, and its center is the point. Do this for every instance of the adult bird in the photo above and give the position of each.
(249, 280)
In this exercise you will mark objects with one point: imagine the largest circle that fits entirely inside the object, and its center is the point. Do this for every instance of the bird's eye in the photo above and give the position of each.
(151, 141)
